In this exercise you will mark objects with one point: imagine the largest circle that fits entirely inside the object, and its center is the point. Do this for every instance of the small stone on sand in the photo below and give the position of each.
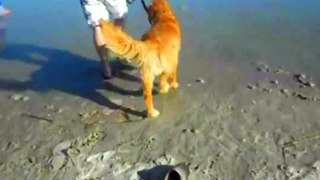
(262, 67)
(310, 84)
(275, 82)
(10, 145)
(31, 160)
(200, 80)
(267, 90)
(299, 95)
(279, 70)
(250, 86)
(285, 91)
(25, 98)
(84, 115)
(59, 111)
(49, 107)
(16, 97)
(301, 78)
(243, 110)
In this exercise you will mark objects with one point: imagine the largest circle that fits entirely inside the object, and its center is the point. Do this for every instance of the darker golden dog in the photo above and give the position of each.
(156, 54)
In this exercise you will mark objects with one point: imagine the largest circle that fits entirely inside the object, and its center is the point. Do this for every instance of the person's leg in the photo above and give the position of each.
(94, 10)
(102, 51)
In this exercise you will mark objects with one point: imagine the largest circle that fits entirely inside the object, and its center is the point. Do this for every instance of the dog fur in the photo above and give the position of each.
(156, 54)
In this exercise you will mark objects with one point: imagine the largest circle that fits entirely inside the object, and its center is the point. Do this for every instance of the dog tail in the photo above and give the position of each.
(122, 44)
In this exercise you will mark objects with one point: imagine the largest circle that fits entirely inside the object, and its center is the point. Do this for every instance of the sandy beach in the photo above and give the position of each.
(248, 106)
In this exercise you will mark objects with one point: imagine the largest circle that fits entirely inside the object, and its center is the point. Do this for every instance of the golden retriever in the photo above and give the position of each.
(156, 54)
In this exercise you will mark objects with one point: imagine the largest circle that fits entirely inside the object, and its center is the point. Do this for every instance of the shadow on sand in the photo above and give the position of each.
(67, 72)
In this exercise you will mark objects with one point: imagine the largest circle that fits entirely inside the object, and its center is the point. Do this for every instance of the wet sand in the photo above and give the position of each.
(230, 119)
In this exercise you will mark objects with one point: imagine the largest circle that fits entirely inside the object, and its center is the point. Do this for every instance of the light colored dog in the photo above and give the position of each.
(156, 54)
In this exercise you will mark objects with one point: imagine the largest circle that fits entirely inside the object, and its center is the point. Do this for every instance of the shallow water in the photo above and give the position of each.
(282, 32)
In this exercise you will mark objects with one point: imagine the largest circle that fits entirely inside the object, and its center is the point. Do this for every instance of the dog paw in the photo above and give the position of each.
(164, 89)
(175, 85)
(154, 113)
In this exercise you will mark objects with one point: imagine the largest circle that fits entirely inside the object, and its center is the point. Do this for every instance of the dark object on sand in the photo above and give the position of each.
(310, 84)
(251, 86)
(300, 95)
(179, 172)
(200, 80)
(165, 172)
(275, 82)
(37, 117)
(301, 78)
(304, 80)
(284, 91)
(262, 67)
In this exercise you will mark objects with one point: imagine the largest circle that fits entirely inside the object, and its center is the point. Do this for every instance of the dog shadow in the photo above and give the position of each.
(67, 72)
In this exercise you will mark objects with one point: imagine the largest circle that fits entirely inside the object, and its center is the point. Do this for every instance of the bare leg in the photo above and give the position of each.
(99, 43)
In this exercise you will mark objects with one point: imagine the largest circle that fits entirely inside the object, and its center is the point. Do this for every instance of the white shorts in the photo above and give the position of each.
(94, 10)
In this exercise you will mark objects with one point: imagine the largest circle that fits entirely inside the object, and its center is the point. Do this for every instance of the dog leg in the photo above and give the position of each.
(174, 82)
(164, 86)
(147, 81)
